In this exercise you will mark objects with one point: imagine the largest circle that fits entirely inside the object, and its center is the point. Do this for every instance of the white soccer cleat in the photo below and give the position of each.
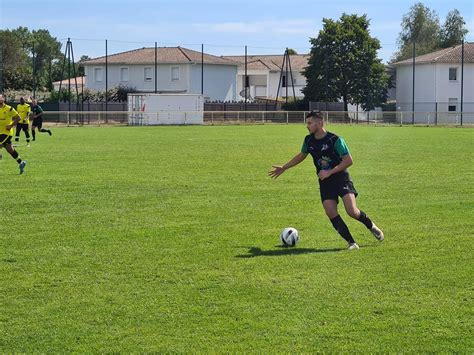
(377, 232)
(353, 246)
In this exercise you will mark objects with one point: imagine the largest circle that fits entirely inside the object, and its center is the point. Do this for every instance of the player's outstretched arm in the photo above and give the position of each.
(277, 170)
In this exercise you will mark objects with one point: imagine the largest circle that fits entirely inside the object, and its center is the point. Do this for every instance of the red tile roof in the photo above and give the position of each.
(270, 62)
(447, 55)
(165, 55)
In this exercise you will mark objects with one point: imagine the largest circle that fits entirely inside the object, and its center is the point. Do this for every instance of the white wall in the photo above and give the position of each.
(432, 85)
(136, 77)
(219, 81)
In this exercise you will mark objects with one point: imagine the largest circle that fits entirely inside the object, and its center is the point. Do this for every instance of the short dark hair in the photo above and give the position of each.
(315, 114)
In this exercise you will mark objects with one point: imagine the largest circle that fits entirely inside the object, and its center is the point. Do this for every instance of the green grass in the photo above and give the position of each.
(165, 239)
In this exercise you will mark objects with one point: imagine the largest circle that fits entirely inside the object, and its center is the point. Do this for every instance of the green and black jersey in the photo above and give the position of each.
(37, 110)
(327, 152)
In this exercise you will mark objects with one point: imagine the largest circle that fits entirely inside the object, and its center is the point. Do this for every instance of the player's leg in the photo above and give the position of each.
(17, 132)
(330, 207)
(350, 205)
(14, 154)
(33, 132)
(26, 129)
(41, 129)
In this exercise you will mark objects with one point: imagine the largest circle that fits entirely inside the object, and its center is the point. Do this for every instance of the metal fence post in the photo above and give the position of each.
(67, 118)
(212, 117)
(401, 118)
(286, 117)
(263, 117)
(99, 118)
(185, 117)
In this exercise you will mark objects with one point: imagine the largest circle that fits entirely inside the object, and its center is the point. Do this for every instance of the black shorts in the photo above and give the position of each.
(38, 122)
(5, 140)
(331, 189)
(22, 126)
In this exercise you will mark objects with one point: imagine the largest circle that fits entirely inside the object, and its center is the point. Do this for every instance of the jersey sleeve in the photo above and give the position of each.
(341, 147)
(12, 113)
(304, 147)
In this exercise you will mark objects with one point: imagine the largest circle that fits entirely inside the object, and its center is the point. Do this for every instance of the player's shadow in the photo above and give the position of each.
(254, 251)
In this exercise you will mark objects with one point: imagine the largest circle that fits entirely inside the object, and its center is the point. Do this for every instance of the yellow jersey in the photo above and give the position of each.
(7, 113)
(24, 112)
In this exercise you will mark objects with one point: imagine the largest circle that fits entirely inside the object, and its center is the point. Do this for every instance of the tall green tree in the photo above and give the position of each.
(343, 64)
(419, 25)
(453, 31)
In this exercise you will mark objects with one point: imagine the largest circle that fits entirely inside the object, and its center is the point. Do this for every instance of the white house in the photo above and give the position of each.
(437, 85)
(264, 71)
(178, 71)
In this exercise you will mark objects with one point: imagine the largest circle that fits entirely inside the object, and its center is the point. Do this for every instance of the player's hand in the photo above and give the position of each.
(324, 174)
(276, 171)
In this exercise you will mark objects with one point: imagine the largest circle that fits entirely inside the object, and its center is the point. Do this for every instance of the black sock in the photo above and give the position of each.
(365, 220)
(342, 229)
(34, 134)
(16, 156)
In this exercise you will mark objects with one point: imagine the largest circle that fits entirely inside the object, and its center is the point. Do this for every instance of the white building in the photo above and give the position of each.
(437, 85)
(264, 71)
(178, 71)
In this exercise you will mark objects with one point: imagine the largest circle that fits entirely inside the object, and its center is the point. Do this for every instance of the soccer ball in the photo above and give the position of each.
(289, 237)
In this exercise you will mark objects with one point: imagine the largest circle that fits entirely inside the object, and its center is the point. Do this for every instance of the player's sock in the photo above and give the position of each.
(342, 229)
(34, 134)
(365, 220)
(17, 139)
(16, 156)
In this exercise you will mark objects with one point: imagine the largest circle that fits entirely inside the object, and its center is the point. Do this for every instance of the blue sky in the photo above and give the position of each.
(225, 27)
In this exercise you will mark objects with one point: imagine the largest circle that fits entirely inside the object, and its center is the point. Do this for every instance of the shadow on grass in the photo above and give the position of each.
(254, 251)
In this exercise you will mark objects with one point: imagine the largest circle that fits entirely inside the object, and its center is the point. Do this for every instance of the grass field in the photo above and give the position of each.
(165, 239)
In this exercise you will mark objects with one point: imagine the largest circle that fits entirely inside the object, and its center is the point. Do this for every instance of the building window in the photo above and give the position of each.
(123, 74)
(147, 73)
(98, 74)
(174, 73)
(452, 105)
(453, 74)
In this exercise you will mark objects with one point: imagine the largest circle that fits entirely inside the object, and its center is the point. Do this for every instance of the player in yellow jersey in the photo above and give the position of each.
(9, 118)
(24, 111)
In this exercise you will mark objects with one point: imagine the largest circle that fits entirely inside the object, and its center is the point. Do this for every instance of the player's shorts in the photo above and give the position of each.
(5, 140)
(332, 189)
(38, 122)
(23, 126)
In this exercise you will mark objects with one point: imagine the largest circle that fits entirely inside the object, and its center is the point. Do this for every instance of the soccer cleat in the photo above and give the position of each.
(353, 246)
(22, 166)
(50, 133)
(28, 145)
(376, 231)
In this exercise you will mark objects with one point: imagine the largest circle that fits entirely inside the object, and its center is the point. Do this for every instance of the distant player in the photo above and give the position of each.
(37, 119)
(9, 118)
(24, 111)
(331, 158)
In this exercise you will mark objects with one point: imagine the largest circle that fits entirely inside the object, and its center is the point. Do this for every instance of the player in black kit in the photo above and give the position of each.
(331, 158)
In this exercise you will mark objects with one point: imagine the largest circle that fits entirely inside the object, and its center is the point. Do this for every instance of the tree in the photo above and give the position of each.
(291, 51)
(343, 64)
(453, 30)
(421, 25)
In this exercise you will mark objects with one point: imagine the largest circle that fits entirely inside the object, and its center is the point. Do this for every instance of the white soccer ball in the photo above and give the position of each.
(289, 237)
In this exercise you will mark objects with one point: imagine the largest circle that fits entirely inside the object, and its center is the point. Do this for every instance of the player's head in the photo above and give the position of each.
(34, 102)
(314, 121)
(2, 99)
(22, 100)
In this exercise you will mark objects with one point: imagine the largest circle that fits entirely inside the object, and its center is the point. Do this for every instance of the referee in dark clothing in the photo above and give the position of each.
(37, 116)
